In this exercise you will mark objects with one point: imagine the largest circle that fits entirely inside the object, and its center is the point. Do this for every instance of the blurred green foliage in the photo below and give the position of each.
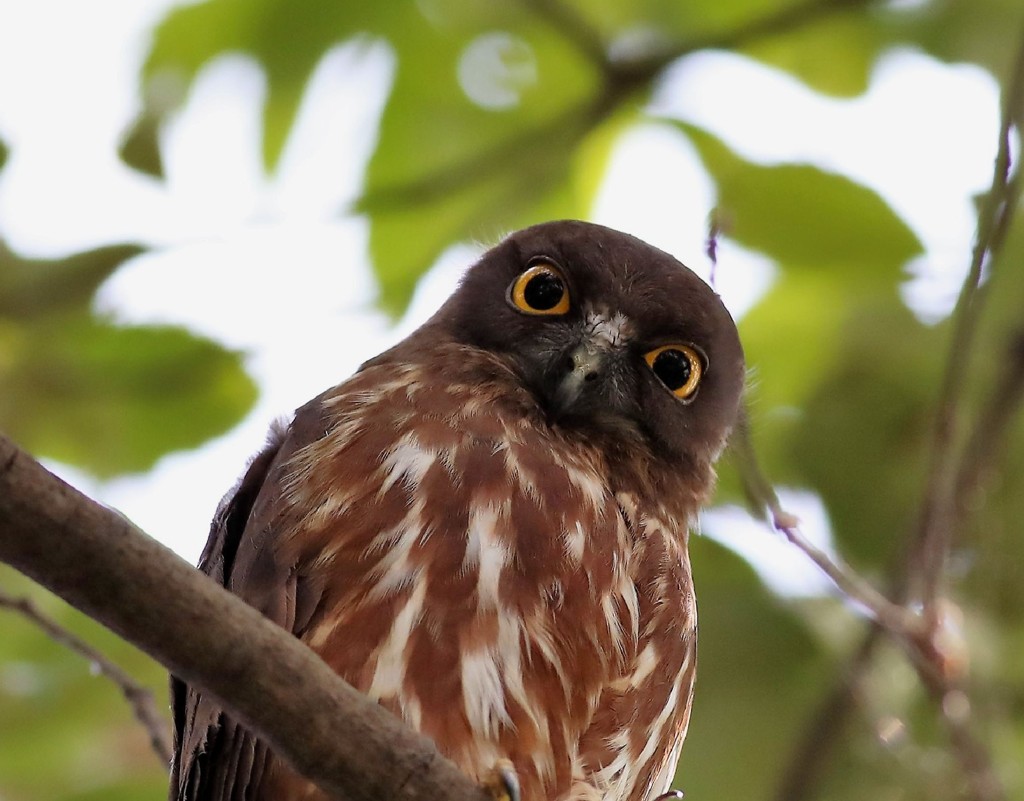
(846, 376)
(91, 393)
(66, 732)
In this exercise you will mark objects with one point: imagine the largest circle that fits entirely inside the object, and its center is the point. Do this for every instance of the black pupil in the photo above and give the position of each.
(672, 367)
(543, 291)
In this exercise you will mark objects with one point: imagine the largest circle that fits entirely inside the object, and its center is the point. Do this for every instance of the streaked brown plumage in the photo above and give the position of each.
(486, 527)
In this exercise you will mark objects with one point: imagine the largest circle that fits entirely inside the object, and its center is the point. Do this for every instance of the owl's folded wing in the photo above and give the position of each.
(215, 758)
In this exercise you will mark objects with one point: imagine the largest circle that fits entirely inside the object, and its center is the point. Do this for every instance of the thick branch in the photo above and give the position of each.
(103, 565)
(140, 699)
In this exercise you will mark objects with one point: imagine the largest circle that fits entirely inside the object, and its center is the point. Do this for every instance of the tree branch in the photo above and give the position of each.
(140, 698)
(949, 489)
(987, 441)
(103, 565)
(936, 527)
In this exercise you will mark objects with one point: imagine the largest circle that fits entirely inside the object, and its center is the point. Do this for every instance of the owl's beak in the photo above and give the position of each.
(584, 365)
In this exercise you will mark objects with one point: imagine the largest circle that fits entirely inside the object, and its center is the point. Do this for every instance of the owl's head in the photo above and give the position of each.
(612, 336)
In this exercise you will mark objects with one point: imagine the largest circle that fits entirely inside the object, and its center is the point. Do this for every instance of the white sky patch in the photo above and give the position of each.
(782, 567)
(923, 136)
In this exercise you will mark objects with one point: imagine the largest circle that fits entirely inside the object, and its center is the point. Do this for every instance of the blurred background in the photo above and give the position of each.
(209, 212)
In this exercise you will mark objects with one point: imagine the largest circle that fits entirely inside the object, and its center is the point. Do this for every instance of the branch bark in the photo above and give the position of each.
(102, 564)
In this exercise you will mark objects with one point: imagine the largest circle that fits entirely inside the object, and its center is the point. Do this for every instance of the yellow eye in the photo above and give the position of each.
(678, 366)
(540, 290)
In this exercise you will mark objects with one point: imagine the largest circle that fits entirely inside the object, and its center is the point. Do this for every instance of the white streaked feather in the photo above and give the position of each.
(389, 673)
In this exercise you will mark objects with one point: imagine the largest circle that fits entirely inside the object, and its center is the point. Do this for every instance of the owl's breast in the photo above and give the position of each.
(474, 565)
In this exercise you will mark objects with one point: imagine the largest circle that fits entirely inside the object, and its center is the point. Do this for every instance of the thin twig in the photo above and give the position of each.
(907, 626)
(896, 619)
(988, 440)
(711, 243)
(949, 487)
(139, 698)
(955, 712)
(935, 521)
(985, 445)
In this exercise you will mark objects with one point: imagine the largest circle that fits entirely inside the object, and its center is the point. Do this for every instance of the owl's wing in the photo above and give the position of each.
(215, 758)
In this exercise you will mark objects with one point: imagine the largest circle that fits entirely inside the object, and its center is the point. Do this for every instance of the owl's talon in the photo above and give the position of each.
(671, 795)
(502, 783)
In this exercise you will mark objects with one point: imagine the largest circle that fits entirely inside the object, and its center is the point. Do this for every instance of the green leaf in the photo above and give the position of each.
(841, 251)
(140, 147)
(790, 340)
(3, 154)
(287, 37)
(560, 182)
(32, 287)
(806, 218)
(449, 167)
(111, 399)
(862, 442)
(835, 55)
(105, 398)
(984, 32)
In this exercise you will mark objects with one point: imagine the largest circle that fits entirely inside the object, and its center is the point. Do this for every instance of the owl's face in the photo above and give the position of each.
(612, 336)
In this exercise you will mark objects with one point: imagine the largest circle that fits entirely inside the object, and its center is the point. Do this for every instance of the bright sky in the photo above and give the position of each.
(266, 266)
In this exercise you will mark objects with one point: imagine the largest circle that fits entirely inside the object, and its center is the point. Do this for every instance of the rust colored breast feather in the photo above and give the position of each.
(479, 578)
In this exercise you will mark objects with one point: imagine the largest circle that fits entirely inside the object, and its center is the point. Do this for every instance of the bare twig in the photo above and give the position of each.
(955, 712)
(939, 662)
(711, 243)
(907, 626)
(274, 684)
(935, 529)
(947, 497)
(896, 619)
(140, 698)
(987, 440)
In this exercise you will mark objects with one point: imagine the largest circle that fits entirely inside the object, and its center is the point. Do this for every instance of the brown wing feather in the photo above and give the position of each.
(216, 759)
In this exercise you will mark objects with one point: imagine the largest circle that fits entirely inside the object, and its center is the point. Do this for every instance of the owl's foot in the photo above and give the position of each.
(502, 783)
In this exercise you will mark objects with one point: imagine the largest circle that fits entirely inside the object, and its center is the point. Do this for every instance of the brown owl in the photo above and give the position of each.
(485, 528)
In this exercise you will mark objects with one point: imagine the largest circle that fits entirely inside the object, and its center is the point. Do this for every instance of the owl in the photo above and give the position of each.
(485, 528)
